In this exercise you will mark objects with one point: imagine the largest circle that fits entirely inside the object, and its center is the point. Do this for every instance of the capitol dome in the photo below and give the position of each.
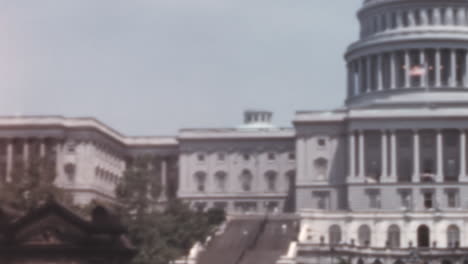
(409, 52)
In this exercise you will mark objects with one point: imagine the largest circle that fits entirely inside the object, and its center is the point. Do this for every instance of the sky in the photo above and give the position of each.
(151, 67)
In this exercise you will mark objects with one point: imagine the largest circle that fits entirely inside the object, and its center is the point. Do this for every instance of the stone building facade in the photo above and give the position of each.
(371, 181)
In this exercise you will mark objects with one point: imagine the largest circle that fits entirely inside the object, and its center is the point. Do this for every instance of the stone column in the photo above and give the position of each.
(461, 16)
(440, 157)
(449, 16)
(411, 18)
(369, 74)
(362, 80)
(163, 178)
(42, 148)
(384, 168)
(462, 155)
(9, 159)
(453, 68)
(465, 70)
(424, 17)
(436, 16)
(26, 151)
(424, 77)
(399, 19)
(393, 147)
(407, 69)
(392, 71)
(416, 158)
(438, 67)
(379, 73)
(362, 155)
(352, 152)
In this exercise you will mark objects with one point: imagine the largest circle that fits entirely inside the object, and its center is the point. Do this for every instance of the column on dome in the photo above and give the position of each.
(416, 157)
(462, 155)
(449, 16)
(393, 76)
(352, 153)
(424, 17)
(407, 69)
(423, 62)
(440, 157)
(436, 17)
(465, 70)
(399, 19)
(379, 72)
(369, 73)
(438, 68)
(453, 68)
(9, 159)
(362, 76)
(384, 158)
(362, 155)
(461, 16)
(411, 18)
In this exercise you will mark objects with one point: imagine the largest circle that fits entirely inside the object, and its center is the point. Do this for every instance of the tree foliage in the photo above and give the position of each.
(159, 235)
(31, 183)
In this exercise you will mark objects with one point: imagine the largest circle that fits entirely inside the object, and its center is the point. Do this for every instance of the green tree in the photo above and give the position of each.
(31, 184)
(159, 235)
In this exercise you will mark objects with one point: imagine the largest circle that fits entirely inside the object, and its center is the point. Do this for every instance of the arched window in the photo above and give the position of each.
(364, 235)
(334, 234)
(200, 180)
(393, 236)
(221, 178)
(246, 180)
(377, 261)
(321, 167)
(423, 236)
(270, 178)
(453, 236)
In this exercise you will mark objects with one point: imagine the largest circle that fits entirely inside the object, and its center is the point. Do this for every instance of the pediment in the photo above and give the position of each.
(51, 229)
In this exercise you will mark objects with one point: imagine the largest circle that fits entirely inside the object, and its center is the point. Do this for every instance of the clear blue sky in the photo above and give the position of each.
(153, 66)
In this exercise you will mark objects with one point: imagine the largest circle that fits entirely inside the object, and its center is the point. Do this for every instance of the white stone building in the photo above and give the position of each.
(371, 181)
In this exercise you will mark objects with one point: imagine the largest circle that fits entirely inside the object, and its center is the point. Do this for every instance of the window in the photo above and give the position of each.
(246, 157)
(323, 199)
(406, 199)
(453, 236)
(200, 179)
(270, 178)
(291, 156)
(271, 156)
(321, 167)
(221, 156)
(452, 198)
(428, 200)
(201, 157)
(364, 235)
(321, 142)
(393, 236)
(246, 181)
(221, 178)
(374, 198)
(334, 234)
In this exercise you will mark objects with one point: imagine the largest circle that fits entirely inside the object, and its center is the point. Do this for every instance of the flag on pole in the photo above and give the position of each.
(418, 70)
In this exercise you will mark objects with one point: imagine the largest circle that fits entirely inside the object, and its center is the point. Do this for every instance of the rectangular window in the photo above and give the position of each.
(246, 157)
(292, 156)
(201, 157)
(221, 156)
(452, 198)
(323, 199)
(428, 200)
(406, 199)
(271, 156)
